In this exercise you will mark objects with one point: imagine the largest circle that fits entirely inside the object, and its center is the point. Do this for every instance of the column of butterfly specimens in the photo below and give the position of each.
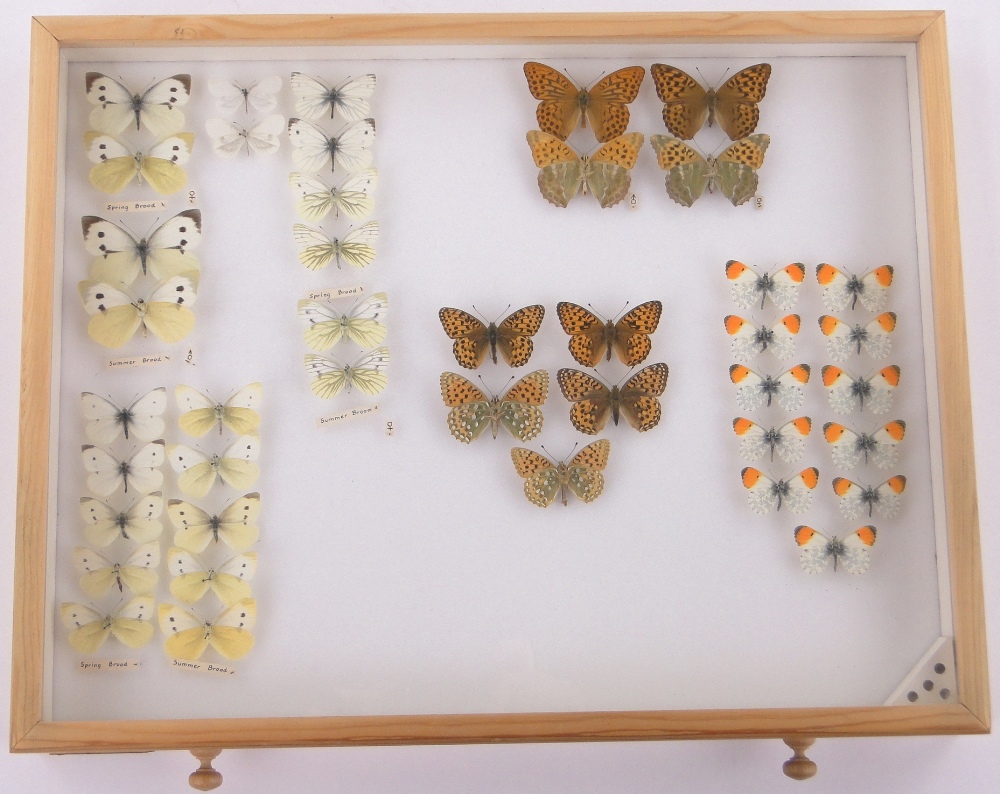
(118, 565)
(687, 107)
(211, 541)
(260, 129)
(563, 106)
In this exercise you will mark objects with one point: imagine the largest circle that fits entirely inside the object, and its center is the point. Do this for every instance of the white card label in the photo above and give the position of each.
(138, 361)
(108, 665)
(203, 667)
(125, 207)
(350, 413)
(758, 202)
(337, 292)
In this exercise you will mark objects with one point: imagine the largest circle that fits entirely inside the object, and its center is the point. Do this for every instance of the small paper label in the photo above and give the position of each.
(203, 667)
(337, 292)
(390, 427)
(192, 197)
(758, 202)
(108, 665)
(125, 207)
(189, 357)
(350, 413)
(138, 361)
(633, 203)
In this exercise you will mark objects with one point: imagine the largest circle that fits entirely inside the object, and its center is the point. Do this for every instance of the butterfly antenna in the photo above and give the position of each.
(591, 305)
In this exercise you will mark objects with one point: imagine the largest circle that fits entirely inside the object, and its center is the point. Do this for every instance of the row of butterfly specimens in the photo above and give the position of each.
(844, 339)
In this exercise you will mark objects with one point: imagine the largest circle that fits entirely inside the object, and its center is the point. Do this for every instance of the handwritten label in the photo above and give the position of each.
(333, 294)
(138, 361)
(633, 203)
(189, 358)
(390, 427)
(758, 202)
(108, 665)
(351, 413)
(203, 667)
(125, 207)
(192, 197)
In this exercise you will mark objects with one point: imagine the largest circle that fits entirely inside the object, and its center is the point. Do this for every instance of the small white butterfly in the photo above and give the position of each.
(188, 636)
(818, 549)
(259, 95)
(158, 107)
(236, 526)
(199, 413)
(106, 421)
(317, 250)
(230, 581)
(314, 98)
(330, 377)
(765, 494)
(163, 253)
(751, 288)
(197, 472)
(841, 289)
(855, 498)
(362, 324)
(140, 523)
(229, 138)
(117, 315)
(117, 163)
(756, 390)
(788, 440)
(137, 571)
(881, 447)
(847, 392)
(90, 628)
(843, 339)
(140, 473)
(314, 151)
(316, 198)
(749, 339)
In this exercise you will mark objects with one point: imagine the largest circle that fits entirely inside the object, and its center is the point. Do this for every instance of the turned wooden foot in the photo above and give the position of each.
(205, 778)
(798, 767)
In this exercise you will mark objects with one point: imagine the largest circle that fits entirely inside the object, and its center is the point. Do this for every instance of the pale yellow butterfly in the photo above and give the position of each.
(236, 526)
(199, 413)
(117, 163)
(188, 636)
(230, 581)
(116, 315)
(137, 571)
(90, 628)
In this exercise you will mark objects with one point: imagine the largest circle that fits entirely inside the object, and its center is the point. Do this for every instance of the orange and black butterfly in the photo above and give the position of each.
(594, 403)
(474, 340)
(592, 338)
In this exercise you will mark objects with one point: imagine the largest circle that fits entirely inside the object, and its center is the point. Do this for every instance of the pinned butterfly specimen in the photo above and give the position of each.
(163, 253)
(843, 339)
(848, 448)
(847, 393)
(363, 324)
(106, 421)
(841, 290)
(544, 480)
(472, 411)
(687, 106)
(765, 494)
(317, 250)
(140, 523)
(314, 151)
(593, 338)
(197, 472)
(137, 571)
(116, 314)
(751, 288)
(200, 413)
(117, 163)
(756, 390)
(192, 578)
(315, 198)
(734, 172)
(884, 499)
(314, 98)
(818, 549)
(563, 105)
(750, 339)
(367, 373)
(564, 172)
(236, 526)
(90, 628)
(158, 107)
(229, 138)
(475, 340)
(188, 636)
(788, 440)
(139, 473)
(259, 95)
(594, 402)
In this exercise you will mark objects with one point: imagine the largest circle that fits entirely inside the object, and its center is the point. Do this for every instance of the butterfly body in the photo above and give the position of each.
(782, 287)
(818, 549)
(689, 174)
(592, 338)
(594, 402)
(544, 480)
(517, 410)
(563, 172)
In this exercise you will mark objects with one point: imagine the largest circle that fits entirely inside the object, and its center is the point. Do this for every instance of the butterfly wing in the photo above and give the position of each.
(261, 95)
(542, 481)
(685, 102)
(228, 138)
(196, 472)
(519, 407)
(88, 628)
(584, 471)
(878, 335)
(143, 474)
(607, 172)
(687, 171)
(875, 288)
(114, 109)
(263, 137)
(241, 412)
(160, 107)
(762, 491)
(353, 147)
(559, 109)
(236, 467)
(187, 637)
(115, 163)
(230, 633)
(592, 405)
(470, 408)
(607, 102)
(316, 250)
(368, 372)
(190, 580)
(115, 315)
(168, 314)
(561, 171)
(639, 403)
(358, 246)
(736, 168)
(515, 332)
(311, 148)
(588, 340)
(161, 166)
(118, 254)
(814, 549)
(854, 554)
(632, 331)
(328, 377)
(735, 106)
(472, 343)
(199, 414)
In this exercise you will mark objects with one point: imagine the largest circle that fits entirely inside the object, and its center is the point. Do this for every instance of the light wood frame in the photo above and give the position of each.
(29, 732)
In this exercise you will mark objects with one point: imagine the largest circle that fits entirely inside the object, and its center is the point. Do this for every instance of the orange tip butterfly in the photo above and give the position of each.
(848, 447)
(843, 339)
(885, 499)
(751, 288)
(851, 551)
(788, 440)
(756, 390)
(765, 494)
(750, 339)
(842, 289)
(848, 393)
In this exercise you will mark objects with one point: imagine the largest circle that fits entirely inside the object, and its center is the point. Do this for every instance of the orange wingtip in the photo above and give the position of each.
(897, 483)
(738, 373)
(792, 322)
(800, 373)
(830, 374)
(891, 375)
(841, 486)
(796, 272)
(896, 429)
(742, 425)
(750, 477)
(832, 432)
(883, 275)
(825, 274)
(867, 535)
(804, 534)
(735, 269)
(887, 321)
(810, 477)
(828, 324)
(734, 323)
(803, 424)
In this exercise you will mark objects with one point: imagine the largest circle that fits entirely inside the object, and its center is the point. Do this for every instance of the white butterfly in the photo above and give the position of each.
(367, 373)
(314, 151)
(847, 392)
(313, 97)
(848, 447)
(90, 628)
(117, 163)
(140, 473)
(841, 289)
(137, 572)
(750, 287)
(765, 494)
(362, 324)
(188, 636)
(165, 252)
(197, 472)
(316, 250)
(143, 418)
(855, 498)
(230, 581)
(788, 440)
(140, 523)
(844, 339)
(749, 339)
(316, 198)
(236, 526)
(158, 107)
(756, 390)
(229, 138)
(199, 413)
(259, 95)
(818, 549)
(117, 315)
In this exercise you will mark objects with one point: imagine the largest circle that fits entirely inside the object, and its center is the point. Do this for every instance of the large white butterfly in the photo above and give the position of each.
(189, 636)
(316, 250)
(313, 97)
(117, 163)
(314, 151)
(844, 339)
(765, 494)
(197, 472)
(137, 571)
(230, 581)
(236, 526)
(140, 473)
(788, 440)
(749, 339)
(259, 95)
(140, 523)
(847, 392)
(164, 252)
(818, 549)
(106, 421)
(158, 107)
(756, 390)
(90, 628)
(229, 138)
(367, 373)
(855, 498)
(117, 315)
(316, 198)
(848, 447)
(362, 324)
(199, 413)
